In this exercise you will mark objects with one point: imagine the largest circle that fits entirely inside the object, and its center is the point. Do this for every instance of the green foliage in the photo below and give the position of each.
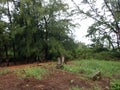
(89, 67)
(115, 85)
(35, 30)
(90, 52)
(102, 30)
(73, 68)
(4, 71)
(104, 55)
(76, 88)
(35, 72)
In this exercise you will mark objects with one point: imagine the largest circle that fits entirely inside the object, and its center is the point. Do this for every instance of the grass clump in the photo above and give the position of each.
(77, 88)
(35, 72)
(73, 68)
(4, 71)
(115, 84)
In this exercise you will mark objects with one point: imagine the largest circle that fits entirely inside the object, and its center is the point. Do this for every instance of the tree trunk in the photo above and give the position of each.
(6, 52)
(14, 53)
(46, 38)
(118, 38)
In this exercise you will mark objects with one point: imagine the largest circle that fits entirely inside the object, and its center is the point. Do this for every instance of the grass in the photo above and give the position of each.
(89, 67)
(35, 72)
(4, 71)
(115, 84)
(76, 88)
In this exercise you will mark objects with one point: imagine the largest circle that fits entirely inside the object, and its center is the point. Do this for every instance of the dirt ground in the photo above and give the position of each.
(56, 80)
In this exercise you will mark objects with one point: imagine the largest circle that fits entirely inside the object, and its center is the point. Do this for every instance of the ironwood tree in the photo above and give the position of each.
(35, 29)
(105, 31)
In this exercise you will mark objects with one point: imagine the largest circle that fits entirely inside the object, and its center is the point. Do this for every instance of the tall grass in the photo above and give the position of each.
(107, 68)
(115, 84)
(35, 72)
(76, 88)
(4, 71)
(89, 67)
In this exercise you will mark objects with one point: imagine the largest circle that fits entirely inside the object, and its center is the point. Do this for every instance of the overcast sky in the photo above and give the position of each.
(81, 31)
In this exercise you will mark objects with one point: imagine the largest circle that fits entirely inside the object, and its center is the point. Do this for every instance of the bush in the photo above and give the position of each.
(103, 55)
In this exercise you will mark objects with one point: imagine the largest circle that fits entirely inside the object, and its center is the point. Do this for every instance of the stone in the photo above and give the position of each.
(96, 76)
(59, 63)
(63, 59)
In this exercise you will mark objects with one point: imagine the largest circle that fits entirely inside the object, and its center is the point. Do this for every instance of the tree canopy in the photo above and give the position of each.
(105, 31)
(35, 29)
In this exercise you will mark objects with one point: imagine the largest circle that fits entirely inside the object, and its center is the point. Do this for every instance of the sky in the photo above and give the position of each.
(81, 31)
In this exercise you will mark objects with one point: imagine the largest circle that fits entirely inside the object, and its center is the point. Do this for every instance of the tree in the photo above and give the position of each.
(35, 29)
(105, 30)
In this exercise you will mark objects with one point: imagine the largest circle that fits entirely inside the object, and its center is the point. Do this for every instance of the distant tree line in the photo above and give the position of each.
(104, 32)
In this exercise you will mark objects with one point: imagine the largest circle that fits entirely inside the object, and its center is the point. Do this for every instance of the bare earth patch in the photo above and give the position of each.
(55, 80)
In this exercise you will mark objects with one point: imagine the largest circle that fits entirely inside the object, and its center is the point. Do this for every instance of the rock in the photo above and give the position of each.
(59, 61)
(59, 66)
(27, 85)
(71, 81)
(63, 59)
(96, 76)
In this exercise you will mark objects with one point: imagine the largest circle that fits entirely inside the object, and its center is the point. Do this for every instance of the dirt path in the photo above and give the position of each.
(56, 80)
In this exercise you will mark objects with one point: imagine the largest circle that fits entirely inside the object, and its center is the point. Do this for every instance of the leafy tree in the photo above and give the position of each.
(35, 29)
(105, 30)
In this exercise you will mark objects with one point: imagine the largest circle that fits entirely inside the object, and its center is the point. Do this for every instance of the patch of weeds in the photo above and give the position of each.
(35, 72)
(73, 69)
(89, 67)
(83, 78)
(4, 71)
(115, 85)
(96, 88)
(79, 69)
(77, 88)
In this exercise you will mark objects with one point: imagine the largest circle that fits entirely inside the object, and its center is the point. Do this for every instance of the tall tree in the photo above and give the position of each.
(35, 29)
(106, 15)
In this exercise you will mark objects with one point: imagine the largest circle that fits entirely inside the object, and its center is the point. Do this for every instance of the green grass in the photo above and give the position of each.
(35, 72)
(76, 88)
(115, 84)
(89, 67)
(4, 71)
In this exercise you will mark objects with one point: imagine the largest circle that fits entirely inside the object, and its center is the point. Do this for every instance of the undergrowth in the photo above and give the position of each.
(4, 71)
(35, 72)
(115, 84)
(89, 67)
